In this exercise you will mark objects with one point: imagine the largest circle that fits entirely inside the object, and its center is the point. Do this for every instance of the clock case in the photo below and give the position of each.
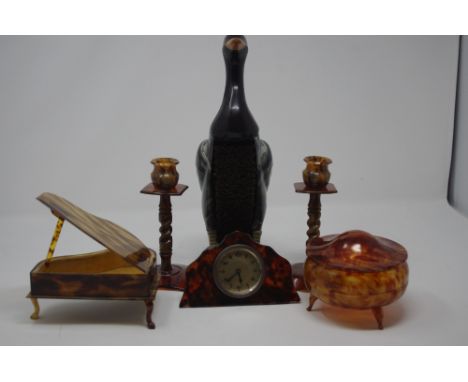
(201, 290)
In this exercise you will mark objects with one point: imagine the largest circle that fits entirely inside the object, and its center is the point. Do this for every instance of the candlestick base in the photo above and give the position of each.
(174, 280)
(298, 277)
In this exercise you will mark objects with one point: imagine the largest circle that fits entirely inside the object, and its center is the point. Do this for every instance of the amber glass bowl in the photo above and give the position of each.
(356, 270)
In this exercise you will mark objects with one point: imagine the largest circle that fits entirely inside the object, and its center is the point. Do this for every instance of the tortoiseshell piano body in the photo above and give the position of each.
(125, 270)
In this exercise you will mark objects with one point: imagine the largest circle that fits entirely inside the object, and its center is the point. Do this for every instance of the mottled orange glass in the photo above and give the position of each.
(356, 270)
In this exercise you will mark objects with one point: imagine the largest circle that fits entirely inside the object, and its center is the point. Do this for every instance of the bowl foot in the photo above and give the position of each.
(312, 300)
(378, 314)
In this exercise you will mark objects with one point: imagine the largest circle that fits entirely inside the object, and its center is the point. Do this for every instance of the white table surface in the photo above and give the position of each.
(434, 309)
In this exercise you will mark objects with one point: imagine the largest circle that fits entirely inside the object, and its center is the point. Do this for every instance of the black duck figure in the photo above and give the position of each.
(234, 164)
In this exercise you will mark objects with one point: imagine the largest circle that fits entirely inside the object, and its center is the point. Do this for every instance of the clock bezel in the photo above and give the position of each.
(258, 258)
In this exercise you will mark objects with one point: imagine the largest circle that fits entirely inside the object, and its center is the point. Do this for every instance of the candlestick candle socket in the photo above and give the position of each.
(165, 175)
(316, 173)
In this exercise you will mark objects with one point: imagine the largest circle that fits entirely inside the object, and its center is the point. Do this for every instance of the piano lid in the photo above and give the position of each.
(109, 234)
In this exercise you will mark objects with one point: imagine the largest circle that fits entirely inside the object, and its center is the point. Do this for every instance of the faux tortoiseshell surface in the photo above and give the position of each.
(67, 276)
(152, 189)
(357, 251)
(125, 270)
(201, 290)
(356, 270)
(105, 232)
(356, 290)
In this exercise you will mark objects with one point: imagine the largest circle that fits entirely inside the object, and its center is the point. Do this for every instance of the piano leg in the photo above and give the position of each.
(35, 314)
(149, 313)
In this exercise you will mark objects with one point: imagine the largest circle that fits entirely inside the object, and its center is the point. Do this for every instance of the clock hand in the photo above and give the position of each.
(238, 273)
(231, 277)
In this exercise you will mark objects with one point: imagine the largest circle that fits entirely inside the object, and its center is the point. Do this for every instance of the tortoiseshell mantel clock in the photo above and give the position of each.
(238, 271)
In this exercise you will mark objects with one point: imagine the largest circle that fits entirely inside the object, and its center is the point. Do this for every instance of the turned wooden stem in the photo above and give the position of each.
(314, 212)
(165, 238)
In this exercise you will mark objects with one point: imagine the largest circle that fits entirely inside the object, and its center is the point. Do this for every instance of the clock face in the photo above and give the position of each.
(238, 271)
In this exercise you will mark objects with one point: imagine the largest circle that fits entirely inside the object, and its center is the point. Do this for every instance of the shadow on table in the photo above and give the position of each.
(91, 312)
(360, 319)
(17, 308)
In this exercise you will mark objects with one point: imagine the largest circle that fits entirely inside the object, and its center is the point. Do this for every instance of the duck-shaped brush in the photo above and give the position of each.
(234, 165)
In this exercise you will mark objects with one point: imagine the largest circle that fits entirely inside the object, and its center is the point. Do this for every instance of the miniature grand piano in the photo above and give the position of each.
(125, 270)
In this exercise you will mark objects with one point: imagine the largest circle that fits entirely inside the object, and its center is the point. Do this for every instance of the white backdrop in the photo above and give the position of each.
(83, 116)
(458, 190)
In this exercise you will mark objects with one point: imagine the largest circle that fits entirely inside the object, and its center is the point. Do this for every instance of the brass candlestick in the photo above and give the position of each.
(316, 174)
(164, 183)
